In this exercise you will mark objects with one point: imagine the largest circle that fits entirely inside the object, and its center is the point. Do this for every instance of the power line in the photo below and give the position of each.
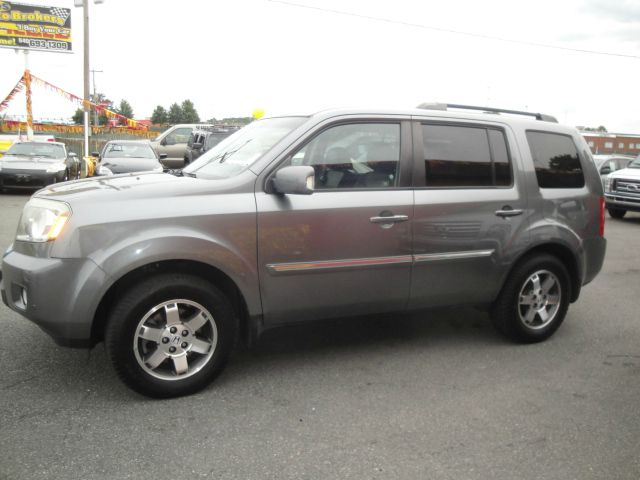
(455, 32)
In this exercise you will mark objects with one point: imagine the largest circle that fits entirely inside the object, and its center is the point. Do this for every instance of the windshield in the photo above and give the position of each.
(128, 150)
(237, 152)
(37, 149)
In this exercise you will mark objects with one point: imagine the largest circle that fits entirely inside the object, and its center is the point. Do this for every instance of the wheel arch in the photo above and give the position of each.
(565, 254)
(249, 326)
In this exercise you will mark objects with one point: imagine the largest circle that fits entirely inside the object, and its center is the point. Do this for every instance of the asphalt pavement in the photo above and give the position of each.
(435, 395)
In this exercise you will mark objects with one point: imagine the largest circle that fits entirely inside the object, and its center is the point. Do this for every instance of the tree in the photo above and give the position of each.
(189, 113)
(101, 99)
(175, 114)
(125, 109)
(78, 117)
(159, 116)
(601, 128)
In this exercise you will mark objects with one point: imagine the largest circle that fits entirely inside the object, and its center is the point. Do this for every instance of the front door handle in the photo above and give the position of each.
(507, 211)
(389, 219)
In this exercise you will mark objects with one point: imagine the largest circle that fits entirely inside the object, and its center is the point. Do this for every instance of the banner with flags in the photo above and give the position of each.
(19, 86)
(17, 126)
(35, 27)
(129, 122)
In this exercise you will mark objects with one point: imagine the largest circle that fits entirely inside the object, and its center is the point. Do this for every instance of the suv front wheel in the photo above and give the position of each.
(170, 335)
(534, 300)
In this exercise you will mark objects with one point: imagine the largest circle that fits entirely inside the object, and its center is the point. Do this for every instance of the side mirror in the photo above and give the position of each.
(196, 146)
(163, 142)
(95, 154)
(605, 170)
(162, 156)
(296, 180)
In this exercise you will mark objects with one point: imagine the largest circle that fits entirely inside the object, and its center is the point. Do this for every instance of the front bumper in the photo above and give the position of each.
(60, 294)
(622, 201)
(30, 179)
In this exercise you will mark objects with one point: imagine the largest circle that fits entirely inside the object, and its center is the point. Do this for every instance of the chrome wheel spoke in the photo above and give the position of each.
(151, 334)
(553, 299)
(196, 322)
(526, 300)
(155, 359)
(535, 279)
(544, 315)
(181, 364)
(548, 284)
(530, 316)
(200, 346)
(172, 313)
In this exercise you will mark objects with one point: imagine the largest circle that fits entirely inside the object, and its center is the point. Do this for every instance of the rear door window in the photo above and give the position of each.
(464, 156)
(556, 160)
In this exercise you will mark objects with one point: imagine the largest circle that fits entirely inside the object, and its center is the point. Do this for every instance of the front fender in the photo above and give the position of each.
(162, 245)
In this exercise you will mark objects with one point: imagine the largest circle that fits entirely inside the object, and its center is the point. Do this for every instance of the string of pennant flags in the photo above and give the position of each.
(101, 109)
(18, 127)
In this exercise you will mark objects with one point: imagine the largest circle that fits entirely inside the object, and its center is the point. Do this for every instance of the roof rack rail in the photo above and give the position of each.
(445, 106)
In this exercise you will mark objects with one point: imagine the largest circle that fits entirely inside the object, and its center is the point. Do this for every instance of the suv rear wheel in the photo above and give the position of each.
(534, 300)
(170, 335)
(616, 212)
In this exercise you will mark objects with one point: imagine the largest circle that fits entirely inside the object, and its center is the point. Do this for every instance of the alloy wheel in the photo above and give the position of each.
(175, 339)
(539, 299)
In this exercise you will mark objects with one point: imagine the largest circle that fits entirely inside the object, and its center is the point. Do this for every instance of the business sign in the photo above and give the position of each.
(34, 27)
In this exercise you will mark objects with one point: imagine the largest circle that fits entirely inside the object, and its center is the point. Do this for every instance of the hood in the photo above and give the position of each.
(16, 162)
(626, 173)
(131, 187)
(128, 165)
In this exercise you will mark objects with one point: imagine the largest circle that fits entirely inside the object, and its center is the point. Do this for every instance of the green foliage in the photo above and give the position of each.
(175, 114)
(125, 109)
(189, 113)
(232, 121)
(78, 117)
(160, 116)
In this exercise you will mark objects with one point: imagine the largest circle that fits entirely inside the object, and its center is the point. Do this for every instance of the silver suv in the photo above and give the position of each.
(297, 218)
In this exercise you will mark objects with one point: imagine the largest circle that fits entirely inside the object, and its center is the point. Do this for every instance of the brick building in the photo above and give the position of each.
(609, 143)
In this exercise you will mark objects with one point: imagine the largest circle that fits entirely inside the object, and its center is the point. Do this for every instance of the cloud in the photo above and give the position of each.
(626, 11)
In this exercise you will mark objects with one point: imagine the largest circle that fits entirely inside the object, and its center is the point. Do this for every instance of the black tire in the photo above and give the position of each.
(135, 304)
(616, 212)
(66, 176)
(507, 312)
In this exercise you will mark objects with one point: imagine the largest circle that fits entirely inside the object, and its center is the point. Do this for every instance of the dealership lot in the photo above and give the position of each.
(437, 395)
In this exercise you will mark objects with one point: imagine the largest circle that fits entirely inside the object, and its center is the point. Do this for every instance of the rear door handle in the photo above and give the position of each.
(389, 219)
(509, 212)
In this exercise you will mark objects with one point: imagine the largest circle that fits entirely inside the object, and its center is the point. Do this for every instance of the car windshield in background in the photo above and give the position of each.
(35, 149)
(237, 152)
(124, 150)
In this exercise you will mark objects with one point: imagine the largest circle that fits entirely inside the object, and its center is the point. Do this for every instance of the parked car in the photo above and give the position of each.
(202, 141)
(173, 143)
(622, 190)
(298, 218)
(35, 164)
(126, 156)
(607, 164)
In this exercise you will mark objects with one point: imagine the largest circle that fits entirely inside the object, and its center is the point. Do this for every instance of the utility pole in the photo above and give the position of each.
(95, 100)
(85, 101)
(85, 14)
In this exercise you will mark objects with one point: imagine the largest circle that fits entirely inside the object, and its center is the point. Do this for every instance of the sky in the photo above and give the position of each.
(300, 56)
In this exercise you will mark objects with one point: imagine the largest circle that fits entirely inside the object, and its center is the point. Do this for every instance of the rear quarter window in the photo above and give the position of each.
(556, 160)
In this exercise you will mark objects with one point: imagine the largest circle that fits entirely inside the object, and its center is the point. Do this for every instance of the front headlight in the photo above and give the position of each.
(607, 183)
(56, 167)
(42, 220)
